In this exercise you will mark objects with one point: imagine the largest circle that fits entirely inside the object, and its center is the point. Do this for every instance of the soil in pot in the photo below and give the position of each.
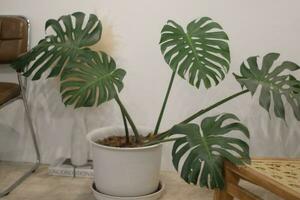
(120, 141)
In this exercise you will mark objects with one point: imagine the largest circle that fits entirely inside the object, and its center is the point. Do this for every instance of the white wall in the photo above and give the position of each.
(131, 35)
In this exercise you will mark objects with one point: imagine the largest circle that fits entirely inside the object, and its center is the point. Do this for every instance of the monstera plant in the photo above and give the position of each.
(199, 54)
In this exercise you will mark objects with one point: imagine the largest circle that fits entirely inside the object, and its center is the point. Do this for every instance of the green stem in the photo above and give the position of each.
(125, 126)
(164, 103)
(130, 121)
(161, 141)
(201, 112)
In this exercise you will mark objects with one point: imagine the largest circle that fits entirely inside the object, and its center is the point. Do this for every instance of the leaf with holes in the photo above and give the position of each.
(199, 54)
(206, 147)
(56, 50)
(276, 82)
(92, 80)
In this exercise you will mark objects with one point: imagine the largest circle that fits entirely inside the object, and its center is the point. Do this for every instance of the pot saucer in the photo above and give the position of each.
(153, 196)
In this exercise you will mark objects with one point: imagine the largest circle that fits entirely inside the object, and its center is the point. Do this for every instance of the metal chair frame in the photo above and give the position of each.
(23, 97)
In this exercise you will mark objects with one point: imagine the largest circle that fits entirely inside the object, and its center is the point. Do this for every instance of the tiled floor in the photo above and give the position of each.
(40, 186)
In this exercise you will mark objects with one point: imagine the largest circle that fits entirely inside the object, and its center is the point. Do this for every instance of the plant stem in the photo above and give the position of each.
(164, 103)
(130, 121)
(161, 141)
(125, 126)
(201, 112)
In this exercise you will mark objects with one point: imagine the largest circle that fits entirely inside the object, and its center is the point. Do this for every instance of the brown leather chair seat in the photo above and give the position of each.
(8, 91)
(13, 38)
(13, 42)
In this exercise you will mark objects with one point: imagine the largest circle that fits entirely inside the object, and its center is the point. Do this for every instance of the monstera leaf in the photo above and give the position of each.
(199, 54)
(56, 50)
(206, 147)
(91, 80)
(275, 83)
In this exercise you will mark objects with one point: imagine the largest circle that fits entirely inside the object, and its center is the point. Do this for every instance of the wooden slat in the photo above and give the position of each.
(272, 158)
(241, 193)
(263, 181)
(285, 172)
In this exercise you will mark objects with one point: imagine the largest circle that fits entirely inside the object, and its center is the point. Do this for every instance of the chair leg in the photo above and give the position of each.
(230, 178)
(36, 148)
(33, 134)
(19, 181)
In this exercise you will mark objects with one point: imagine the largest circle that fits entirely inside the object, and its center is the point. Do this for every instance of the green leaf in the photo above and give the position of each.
(206, 147)
(58, 49)
(200, 54)
(92, 80)
(275, 82)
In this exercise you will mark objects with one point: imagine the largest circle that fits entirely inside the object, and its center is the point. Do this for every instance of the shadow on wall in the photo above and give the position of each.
(271, 136)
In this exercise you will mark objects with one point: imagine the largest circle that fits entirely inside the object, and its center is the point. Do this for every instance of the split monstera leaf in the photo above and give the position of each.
(199, 53)
(91, 80)
(88, 78)
(69, 38)
(274, 82)
(205, 147)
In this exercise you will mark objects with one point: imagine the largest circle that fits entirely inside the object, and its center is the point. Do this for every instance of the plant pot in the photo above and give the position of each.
(153, 196)
(124, 172)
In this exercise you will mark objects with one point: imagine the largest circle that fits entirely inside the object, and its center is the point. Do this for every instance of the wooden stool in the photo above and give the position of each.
(280, 176)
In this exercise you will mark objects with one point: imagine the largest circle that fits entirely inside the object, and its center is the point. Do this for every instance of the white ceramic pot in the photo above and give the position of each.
(125, 172)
